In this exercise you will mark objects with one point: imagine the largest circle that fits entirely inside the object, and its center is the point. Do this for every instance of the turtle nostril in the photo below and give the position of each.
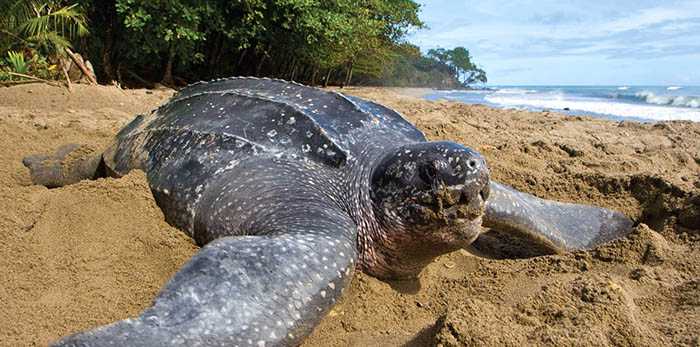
(484, 193)
(428, 173)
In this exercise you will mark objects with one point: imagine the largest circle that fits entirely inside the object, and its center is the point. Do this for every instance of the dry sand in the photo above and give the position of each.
(90, 253)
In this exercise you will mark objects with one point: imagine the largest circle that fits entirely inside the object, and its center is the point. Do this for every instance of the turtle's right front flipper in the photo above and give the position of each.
(69, 164)
(246, 290)
(556, 225)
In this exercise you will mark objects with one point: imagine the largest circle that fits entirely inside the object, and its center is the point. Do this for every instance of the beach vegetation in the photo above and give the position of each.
(40, 31)
(16, 63)
(173, 42)
(460, 63)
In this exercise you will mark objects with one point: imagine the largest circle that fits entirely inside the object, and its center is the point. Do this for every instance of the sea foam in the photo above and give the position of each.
(618, 109)
(615, 102)
(680, 100)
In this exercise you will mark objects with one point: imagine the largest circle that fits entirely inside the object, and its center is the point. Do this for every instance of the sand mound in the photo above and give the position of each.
(90, 253)
(580, 303)
(83, 255)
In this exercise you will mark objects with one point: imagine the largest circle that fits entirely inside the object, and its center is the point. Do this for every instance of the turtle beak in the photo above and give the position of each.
(466, 202)
(469, 198)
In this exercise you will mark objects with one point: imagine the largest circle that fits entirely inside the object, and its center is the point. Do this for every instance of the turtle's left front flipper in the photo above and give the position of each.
(244, 291)
(556, 225)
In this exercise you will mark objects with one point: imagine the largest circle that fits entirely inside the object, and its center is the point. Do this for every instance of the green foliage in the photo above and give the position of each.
(47, 26)
(37, 65)
(439, 68)
(16, 62)
(460, 61)
(162, 26)
(41, 31)
(295, 39)
(315, 41)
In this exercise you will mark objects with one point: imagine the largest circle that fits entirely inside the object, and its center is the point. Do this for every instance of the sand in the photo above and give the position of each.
(98, 251)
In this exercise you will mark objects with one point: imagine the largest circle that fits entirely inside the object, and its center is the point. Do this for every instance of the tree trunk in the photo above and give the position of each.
(107, 67)
(215, 61)
(313, 76)
(118, 72)
(348, 75)
(65, 74)
(258, 68)
(240, 58)
(87, 72)
(168, 73)
(262, 60)
(294, 71)
(328, 77)
(104, 11)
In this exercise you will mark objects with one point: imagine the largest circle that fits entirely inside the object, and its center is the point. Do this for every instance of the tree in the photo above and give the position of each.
(165, 29)
(469, 73)
(46, 26)
(341, 41)
(460, 61)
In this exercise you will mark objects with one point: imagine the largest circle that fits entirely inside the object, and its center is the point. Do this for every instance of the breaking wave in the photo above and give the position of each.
(670, 100)
(614, 102)
(617, 109)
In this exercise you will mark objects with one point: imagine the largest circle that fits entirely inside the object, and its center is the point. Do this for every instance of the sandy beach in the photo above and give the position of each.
(98, 251)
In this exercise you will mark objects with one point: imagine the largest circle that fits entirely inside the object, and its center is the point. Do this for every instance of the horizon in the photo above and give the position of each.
(591, 85)
(588, 43)
(594, 85)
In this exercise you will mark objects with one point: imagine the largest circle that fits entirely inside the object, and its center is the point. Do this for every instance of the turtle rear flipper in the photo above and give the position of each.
(555, 225)
(69, 164)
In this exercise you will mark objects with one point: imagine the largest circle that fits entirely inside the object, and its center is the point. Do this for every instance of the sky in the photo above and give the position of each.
(570, 42)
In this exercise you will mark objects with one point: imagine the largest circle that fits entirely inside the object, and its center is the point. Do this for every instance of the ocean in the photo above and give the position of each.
(640, 103)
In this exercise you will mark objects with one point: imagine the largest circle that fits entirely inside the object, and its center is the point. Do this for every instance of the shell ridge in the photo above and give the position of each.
(291, 106)
(382, 107)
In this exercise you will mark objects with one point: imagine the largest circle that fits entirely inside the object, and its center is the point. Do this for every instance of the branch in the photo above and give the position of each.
(35, 78)
(15, 83)
(64, 68)
(9, 33)
(81, 66)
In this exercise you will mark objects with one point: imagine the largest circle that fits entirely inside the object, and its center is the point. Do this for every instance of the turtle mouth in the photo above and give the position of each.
(449, 205)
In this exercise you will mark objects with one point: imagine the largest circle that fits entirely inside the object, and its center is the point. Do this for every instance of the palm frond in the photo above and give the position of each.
(15, 12)
(17, 62)
(66, 21)
(51, 41)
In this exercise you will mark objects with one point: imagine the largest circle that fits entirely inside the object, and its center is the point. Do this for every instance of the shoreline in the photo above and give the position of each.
(643, 104)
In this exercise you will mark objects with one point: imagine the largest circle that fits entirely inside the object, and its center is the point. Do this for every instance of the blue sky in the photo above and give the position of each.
(593, 42)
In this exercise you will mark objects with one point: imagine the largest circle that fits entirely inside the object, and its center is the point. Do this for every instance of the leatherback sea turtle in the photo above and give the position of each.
(289, 189)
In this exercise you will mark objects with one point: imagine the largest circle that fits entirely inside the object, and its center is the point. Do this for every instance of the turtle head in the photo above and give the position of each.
(429, 199)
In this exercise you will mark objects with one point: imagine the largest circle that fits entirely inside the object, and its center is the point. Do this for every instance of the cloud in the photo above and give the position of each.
(573, 41)
(666, 30)
(556, 18)
(511, 70)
